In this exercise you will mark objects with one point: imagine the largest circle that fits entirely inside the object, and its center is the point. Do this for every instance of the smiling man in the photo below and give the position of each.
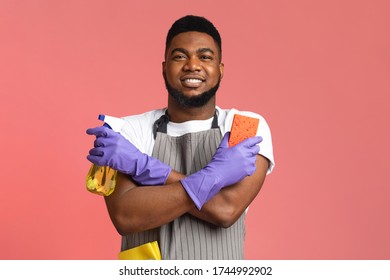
(179, 182)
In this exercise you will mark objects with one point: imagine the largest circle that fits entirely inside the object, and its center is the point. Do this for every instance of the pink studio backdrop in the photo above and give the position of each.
(318, 71)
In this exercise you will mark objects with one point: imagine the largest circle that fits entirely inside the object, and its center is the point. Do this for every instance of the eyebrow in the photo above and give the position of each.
(179, 50)
(201, 50)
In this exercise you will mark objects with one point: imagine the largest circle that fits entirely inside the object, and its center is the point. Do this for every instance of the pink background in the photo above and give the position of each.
(318, 71)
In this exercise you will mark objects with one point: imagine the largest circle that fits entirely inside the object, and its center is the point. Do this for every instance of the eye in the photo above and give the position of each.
(179, 57)
(206, 57)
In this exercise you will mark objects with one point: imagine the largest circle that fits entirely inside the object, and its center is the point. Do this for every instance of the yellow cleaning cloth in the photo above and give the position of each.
(148, 251)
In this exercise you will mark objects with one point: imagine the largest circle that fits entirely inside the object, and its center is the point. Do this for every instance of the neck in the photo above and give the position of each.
(180, 114)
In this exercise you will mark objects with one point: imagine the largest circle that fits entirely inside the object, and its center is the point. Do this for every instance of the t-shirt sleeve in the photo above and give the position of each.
(132, 132)
(266, 147)
(138, 129)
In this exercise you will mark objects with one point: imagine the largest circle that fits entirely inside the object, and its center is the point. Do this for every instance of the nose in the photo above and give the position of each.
(192, 64)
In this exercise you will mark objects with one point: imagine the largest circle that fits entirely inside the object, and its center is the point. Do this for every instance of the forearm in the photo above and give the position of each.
(174, 177)
(214, 210)
(134, 209)
(228, 205)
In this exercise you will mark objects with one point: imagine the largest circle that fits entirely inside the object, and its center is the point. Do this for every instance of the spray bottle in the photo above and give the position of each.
(101, 180)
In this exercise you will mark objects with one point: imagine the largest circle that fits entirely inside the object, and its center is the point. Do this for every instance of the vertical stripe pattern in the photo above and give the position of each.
(188, 237)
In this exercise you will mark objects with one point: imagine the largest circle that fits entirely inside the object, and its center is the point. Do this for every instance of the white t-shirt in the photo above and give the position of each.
(138, 129)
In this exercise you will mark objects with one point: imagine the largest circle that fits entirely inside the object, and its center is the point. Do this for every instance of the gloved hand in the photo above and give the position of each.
(227, 167)
(113, 150)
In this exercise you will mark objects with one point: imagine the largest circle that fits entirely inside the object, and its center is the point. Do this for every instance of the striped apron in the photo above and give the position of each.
(187, 237)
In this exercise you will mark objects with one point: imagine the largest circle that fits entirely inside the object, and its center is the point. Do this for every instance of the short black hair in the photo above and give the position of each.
(193, 23)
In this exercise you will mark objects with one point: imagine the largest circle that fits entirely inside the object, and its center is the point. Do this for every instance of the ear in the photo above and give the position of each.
(221, 69)
(163, 66)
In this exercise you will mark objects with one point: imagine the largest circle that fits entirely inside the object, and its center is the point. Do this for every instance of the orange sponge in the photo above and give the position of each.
(243, 127)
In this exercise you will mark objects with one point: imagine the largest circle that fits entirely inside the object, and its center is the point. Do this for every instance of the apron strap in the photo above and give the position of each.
(161, 124)
(215, 121)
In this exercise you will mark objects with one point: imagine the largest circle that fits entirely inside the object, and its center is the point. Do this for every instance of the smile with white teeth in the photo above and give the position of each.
(192, 81)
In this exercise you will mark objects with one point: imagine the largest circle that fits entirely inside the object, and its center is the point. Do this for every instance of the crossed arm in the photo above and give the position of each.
(133, 208)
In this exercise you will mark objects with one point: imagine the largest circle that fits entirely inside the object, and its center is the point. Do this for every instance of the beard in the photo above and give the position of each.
(191, 101)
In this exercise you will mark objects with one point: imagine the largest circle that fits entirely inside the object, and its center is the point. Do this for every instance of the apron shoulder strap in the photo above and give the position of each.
(215, 121)
(160, 125)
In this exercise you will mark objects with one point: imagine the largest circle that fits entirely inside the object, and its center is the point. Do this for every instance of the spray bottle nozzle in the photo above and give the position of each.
(112, 122)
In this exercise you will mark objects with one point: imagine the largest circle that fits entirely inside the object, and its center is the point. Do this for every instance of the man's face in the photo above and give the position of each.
(192, 68)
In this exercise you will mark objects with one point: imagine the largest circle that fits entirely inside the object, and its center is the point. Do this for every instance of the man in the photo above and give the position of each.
(179, 182)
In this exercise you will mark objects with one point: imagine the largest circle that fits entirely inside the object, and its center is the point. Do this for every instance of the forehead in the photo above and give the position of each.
(193, 40)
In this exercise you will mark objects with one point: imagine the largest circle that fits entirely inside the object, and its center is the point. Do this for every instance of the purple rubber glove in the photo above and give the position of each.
(227, 167)
(113, 150)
